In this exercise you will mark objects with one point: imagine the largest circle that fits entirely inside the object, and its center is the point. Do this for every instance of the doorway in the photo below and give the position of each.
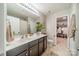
(61, 30)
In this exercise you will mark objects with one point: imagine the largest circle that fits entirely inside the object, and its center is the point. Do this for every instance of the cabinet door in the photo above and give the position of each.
(40, 47)
(45, 43)
(16, 51)
(34, 50)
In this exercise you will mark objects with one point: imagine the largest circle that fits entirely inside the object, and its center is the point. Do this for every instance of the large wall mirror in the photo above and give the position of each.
(19, 22)
(15, 27)
(18, 26)
(15, 24)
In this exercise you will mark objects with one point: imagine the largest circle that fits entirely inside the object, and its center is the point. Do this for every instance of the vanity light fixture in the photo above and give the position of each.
(29, 7)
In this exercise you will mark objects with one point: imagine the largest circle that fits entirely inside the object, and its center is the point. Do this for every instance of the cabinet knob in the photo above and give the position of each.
(30, 51)
(26, 54)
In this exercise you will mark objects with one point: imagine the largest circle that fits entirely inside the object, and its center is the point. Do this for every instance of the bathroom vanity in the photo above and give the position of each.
(33, 46)
(19, 24)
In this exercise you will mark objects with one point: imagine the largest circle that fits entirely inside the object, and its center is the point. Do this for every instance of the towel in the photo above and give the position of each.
(72, 26)
(9, 33)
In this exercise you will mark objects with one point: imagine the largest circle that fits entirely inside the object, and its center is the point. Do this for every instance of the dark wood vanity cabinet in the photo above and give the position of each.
(24, 53)
(33, 51)
(40, 46)
(18, 51)
(45, 43)
(33, 48)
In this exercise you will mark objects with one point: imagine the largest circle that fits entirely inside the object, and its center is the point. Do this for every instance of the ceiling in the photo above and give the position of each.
(51, 7)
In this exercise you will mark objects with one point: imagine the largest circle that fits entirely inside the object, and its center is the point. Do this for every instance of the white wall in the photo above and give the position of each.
(77, 27)
(41, 18)
(2, 29)
(51, 22)
(50, 26)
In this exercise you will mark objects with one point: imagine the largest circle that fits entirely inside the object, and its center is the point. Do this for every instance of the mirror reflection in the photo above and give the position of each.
(20, 23)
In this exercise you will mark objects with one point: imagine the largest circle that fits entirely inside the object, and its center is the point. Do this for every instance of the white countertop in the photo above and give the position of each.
(20, 41)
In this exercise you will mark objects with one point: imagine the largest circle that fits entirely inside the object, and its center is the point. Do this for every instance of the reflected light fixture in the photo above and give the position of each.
(29, 7)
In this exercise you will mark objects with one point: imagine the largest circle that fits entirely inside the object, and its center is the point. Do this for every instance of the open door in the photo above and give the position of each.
(62, 30)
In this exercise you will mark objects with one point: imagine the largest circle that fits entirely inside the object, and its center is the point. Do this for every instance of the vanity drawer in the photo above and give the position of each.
(32, 43)
(25, 53)
(17, 50)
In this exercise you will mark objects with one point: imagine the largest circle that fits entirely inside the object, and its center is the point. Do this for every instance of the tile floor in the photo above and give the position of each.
(60, 49)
